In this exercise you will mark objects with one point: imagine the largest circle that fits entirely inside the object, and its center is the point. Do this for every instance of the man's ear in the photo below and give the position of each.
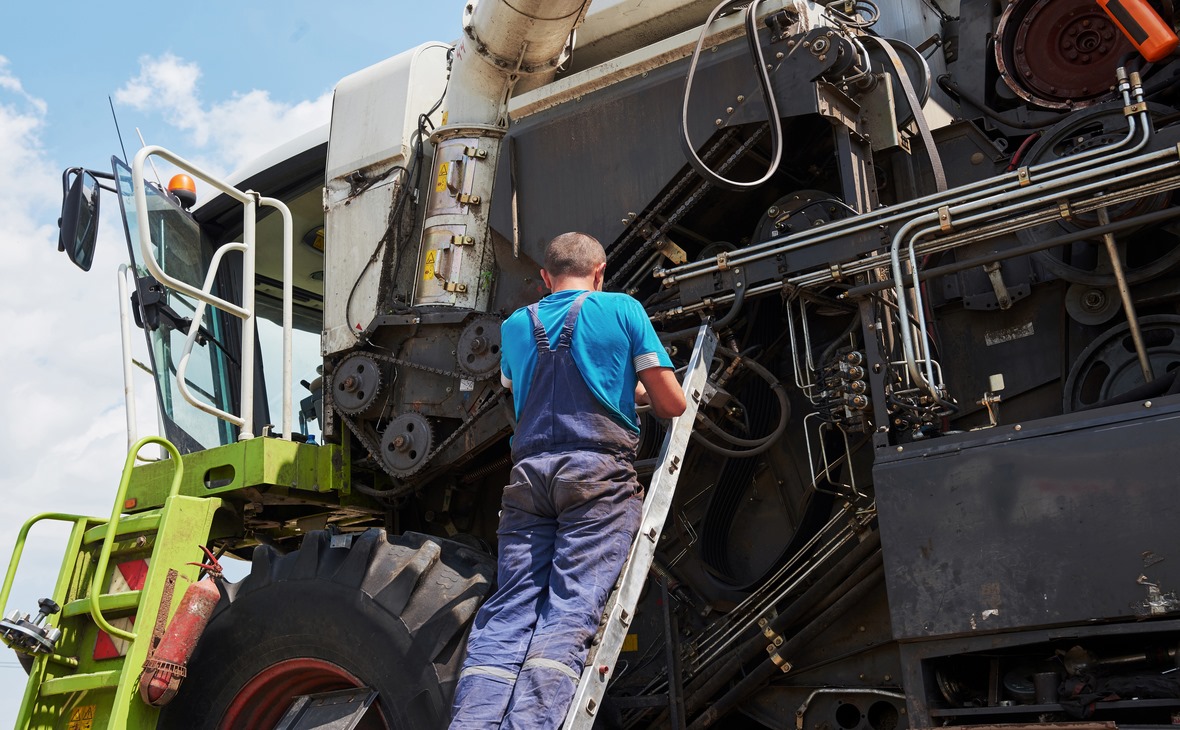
(599, 276)
(547, 279)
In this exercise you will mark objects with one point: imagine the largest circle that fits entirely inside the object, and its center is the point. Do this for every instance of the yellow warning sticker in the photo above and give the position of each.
(428, 270)
(440, 185)
(631, 642)
(82, 718)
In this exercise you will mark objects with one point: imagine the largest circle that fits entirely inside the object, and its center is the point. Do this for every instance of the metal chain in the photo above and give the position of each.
(374, 448)
(681, 184)
(684, 207)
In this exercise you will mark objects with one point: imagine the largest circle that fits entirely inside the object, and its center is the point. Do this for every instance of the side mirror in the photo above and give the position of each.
(78, 225)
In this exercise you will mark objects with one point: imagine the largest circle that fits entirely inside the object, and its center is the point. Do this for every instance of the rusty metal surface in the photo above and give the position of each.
(1059, 54)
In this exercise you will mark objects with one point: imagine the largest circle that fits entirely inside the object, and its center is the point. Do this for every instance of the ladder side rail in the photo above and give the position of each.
(104, 553)
(621, 605)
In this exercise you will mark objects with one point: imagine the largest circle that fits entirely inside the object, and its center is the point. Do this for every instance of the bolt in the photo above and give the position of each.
(1017, 427)
(718, 122)
(779, 55)
(729, 110)
(741, 98)
(900, 449)
(1147, 404)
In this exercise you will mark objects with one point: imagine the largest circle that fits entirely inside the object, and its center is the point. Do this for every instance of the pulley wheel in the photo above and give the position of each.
(1059, 54)
(1145, 253)
(478, 353)
(1109, 366)
(915, 67)
(406, 443)
(1092, 305)
(356, 384)
(800, 211)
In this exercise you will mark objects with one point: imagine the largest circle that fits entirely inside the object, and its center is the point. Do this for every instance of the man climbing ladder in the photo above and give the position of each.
(576, 362)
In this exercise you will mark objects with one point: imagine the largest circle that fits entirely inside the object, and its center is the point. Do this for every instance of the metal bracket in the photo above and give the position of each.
(452, 286)
(1023, 175)
(462, 240)
(1064, 209)
(944, 219)
(1134, 109)
(466, 199)
(1003, 296)
(475, 152)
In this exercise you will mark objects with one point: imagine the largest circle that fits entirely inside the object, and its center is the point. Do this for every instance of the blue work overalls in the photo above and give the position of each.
(568, 517)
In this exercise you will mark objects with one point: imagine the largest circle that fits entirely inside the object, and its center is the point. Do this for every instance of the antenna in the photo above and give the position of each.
(117, 130)
(142, 143)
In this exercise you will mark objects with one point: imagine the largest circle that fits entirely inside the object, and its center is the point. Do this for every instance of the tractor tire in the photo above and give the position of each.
(387, 613)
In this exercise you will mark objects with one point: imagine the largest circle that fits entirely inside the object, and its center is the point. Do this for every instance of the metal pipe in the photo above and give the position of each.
(852, 568)
(936, 271)
(1120, 276)
(947, 217)
(955, 196)
(764, 671)
(507, 45)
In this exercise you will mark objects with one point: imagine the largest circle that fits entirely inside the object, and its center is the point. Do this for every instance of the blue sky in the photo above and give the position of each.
(216, 82)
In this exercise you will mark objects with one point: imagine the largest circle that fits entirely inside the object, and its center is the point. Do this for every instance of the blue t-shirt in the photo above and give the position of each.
(613, 340)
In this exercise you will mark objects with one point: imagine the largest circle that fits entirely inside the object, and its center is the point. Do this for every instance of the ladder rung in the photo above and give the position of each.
(80, 682)
(107, 602)
(144, 522)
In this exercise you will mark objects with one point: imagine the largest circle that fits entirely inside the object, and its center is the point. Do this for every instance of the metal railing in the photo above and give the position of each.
(250, 201)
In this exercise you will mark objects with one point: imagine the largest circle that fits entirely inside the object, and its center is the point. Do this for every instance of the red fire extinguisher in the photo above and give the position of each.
(167, 663)
(1147, 31)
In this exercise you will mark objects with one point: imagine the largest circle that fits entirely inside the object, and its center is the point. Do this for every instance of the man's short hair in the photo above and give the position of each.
(573, 254)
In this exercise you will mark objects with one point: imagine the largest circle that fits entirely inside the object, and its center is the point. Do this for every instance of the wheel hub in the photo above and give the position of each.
(263, 701)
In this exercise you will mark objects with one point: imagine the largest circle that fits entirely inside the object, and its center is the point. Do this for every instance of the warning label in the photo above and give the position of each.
(428, 269)
(441, 184)
(81, 718)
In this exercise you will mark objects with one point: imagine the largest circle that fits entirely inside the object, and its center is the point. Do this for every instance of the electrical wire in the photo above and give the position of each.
(412, 177)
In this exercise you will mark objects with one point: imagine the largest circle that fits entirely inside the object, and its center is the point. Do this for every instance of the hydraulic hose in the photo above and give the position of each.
(759, 445)
(776, 124)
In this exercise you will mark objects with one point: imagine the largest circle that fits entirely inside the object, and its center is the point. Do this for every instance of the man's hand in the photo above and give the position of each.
(661, 389)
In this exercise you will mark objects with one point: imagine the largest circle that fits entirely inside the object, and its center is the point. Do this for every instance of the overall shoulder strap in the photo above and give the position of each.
(539, 335)
(567, 328)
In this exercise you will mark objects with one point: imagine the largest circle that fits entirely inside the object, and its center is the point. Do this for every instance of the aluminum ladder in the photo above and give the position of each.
(620, 607)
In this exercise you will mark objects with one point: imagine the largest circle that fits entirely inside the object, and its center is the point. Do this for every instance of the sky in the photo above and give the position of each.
(215, 82)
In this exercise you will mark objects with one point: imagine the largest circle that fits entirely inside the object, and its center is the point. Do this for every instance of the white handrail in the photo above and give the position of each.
(125, 336)
(245, 312)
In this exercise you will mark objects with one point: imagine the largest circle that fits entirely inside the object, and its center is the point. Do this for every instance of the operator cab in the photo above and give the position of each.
(185, 240)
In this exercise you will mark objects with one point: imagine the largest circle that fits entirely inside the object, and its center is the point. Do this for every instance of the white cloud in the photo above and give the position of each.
(229, 132)
(63, 437)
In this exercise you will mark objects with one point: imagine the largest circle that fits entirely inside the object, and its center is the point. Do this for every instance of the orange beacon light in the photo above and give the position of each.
(1143, 26)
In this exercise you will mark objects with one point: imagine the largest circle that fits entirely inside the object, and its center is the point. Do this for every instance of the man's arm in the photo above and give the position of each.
(663, 391)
